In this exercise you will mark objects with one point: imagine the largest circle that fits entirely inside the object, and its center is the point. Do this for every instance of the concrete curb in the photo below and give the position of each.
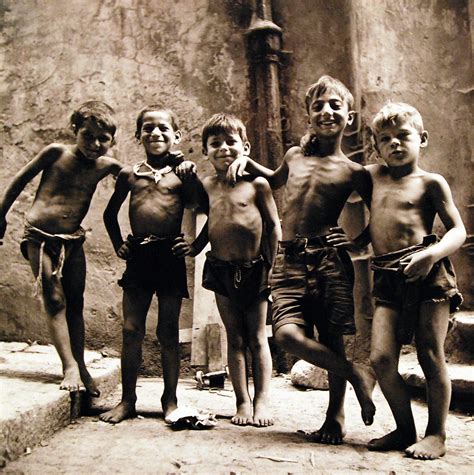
(32, 406)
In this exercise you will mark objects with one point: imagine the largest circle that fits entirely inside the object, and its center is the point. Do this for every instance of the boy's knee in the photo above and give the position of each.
(54, 302)
(381, 362)
(284, 337)
(432, 361)
(133, 332)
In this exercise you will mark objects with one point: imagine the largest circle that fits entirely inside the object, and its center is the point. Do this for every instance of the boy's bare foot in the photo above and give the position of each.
(395, 440)
(431, 447)
(168, 404)
(243, 416)
(363, 384)
(261, 417)
(124, 410)
(89, 383)
(331, 432)
(72, 381)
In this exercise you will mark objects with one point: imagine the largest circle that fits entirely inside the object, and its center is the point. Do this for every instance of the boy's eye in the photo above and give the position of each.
(148, 128)
(336, 105)
(384, 139)
(104, 138)
(231, 142)
(215, 144)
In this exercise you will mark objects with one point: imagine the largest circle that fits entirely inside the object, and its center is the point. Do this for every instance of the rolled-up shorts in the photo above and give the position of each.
(312, 285)
(243, 282)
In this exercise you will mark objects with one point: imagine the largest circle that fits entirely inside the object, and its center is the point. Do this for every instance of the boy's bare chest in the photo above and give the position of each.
(405, 195)
(72, 177)
(170, 185)
(230, 200)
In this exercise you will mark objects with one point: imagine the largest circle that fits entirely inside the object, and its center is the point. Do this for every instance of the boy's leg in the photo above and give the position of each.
(384, 356)
(293, 339)
(255, 324)
(167, 333)
(333, 431)
(236, 358)
(430, 336)
(136, 303)
(74, 279)
(55, 305)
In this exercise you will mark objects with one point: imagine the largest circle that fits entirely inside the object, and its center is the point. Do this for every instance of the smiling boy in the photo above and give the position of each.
(312, 277)
(53, 236)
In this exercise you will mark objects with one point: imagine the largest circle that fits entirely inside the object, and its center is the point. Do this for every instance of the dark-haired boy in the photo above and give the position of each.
(312, 276)
(53, 236)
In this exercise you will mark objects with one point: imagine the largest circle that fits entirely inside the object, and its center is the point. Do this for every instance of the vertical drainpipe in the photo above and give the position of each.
(264, 47)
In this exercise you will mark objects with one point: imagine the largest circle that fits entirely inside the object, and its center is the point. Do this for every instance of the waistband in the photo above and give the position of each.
(238, 263)
(300, 243)
(151, 239)
(390, 261)
(32, 232)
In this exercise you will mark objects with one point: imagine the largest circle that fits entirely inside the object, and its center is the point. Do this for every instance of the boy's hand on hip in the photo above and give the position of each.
(236, 169)
(417, 266)
(181, 248)
(338, 238)
(124, 251)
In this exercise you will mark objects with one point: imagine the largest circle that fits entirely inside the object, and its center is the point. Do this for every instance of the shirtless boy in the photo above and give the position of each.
(414, 282)
(236, 268)
(53, 236)
(313, 276)
(154, 254)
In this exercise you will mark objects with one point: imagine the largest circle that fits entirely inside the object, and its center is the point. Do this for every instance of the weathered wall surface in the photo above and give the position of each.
(191, 56)
(188, 55)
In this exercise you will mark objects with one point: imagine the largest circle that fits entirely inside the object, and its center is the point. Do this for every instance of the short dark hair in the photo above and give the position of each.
(98, 111)
(325, 83)
(155, 108)
(223, 123)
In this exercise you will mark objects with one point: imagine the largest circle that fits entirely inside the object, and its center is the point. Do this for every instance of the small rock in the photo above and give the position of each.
(309, 376)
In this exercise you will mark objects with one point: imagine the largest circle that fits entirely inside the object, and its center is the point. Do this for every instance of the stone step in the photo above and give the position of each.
(33, 407)
(459, 345)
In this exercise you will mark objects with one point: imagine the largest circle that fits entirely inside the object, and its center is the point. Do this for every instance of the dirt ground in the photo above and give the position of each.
(147, 445)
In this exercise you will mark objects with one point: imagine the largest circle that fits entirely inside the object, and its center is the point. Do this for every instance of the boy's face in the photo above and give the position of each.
(224, 148)
(329, 114)
(92, 140)
(400, 144)
(157, 134)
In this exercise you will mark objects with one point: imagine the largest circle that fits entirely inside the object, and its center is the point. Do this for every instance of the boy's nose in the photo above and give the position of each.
(156, 131)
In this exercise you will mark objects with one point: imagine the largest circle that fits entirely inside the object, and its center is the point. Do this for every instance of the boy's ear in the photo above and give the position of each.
(177, 136)
(247, 148)
(351, 117)
(424, 139)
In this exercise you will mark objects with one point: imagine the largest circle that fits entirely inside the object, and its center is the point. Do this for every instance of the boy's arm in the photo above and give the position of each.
(268, 210)
(43, 160)
(119, 195)
(277, 178)
(422, 262)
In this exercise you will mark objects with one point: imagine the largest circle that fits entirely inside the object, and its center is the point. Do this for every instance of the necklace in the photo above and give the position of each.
(157, 174)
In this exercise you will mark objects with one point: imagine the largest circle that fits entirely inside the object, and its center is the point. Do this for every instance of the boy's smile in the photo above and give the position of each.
(157, 134)
(400, 144)
(329, 114)
(224, 148)
(92, 140)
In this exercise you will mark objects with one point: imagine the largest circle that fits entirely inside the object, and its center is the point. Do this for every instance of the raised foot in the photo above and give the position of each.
(429, 448)
(331, 432)
(122, 411)
(243, 416)
(89, 383)
(72, 381)
(168, 404)
(364, 383)
(261, 416)
(395, 440)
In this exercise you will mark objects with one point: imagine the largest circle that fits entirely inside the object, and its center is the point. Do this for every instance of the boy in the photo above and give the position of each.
(53, 236)
(312, 277)
(236, 269)
(154, 254)
(414, 282)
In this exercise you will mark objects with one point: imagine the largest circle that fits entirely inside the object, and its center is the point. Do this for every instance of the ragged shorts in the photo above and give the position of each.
(312, 285)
